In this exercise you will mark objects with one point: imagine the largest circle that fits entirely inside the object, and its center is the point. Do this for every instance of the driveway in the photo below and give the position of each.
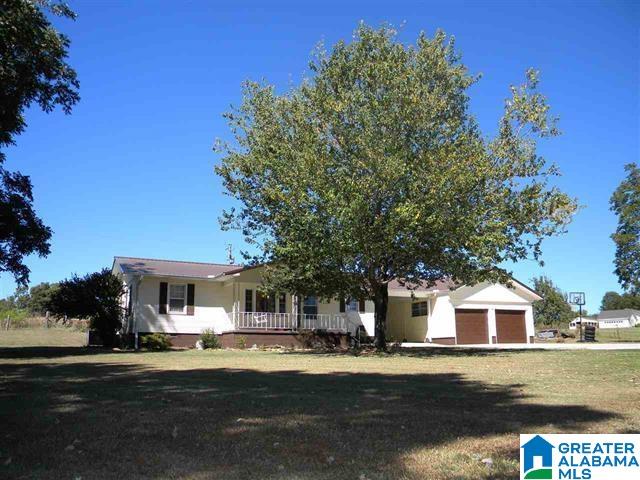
(533, 346)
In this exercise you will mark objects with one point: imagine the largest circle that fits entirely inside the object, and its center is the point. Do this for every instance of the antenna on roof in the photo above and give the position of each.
(230, 258)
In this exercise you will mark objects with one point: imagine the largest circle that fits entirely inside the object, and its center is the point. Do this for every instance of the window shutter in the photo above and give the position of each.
(342, 305)
(162, 302)
(191, 293)
(361, 305)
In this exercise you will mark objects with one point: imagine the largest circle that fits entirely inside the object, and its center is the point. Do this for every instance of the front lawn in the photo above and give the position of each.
(69, 412)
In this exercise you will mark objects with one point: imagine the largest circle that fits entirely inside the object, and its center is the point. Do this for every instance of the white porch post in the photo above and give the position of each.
(492, 325)
(427, 339)
(294, 311)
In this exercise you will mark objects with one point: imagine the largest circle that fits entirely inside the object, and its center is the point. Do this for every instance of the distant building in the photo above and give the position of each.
(587, 321)
(619, 318)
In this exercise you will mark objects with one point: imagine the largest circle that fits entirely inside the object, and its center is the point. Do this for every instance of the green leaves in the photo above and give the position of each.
(625, 202)
(374, 169)
(33, 70)
(553, 309)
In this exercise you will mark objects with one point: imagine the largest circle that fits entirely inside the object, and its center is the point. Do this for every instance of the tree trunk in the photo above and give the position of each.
(381, 300)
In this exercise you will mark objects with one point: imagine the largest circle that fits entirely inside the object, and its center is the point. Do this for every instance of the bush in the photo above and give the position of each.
(209, 339)
(156, 341)
(241, 342)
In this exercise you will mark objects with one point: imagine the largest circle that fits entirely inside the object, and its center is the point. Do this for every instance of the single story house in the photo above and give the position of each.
(586, 321)
(619, 318)
(184, 298)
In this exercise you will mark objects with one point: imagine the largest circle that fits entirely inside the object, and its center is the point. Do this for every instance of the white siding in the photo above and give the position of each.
(614, 323)
(212, 301)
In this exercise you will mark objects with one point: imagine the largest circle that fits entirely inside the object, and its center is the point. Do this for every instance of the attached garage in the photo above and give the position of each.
(471, 326)
(510, 326)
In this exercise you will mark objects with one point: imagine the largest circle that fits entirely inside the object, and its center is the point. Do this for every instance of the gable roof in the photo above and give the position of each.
(440, 286)
(626, 313)
(202, 270)
(171, 268)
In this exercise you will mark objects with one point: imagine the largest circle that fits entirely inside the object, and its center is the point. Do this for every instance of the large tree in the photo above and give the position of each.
(625, 202)
(33, 70)
(553, 309)
(97, 297)
(374, 169)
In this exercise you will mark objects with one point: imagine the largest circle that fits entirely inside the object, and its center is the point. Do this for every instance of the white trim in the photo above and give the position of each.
(184, 299)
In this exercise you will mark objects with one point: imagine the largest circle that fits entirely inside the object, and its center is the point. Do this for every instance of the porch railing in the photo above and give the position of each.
(263, 321)
(288, 321)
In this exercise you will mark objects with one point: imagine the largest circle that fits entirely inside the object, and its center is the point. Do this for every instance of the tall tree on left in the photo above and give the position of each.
(33, 69)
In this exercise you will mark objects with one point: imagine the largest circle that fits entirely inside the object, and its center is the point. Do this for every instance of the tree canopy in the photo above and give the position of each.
(553, 309)
(34, 70)
(615, 301)
(97, 297)
(40, 297)
(374, 169)
(625, 202)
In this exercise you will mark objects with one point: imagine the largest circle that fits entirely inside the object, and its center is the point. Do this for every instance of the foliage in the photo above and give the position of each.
(97, 297)
(34, 67)
(20, 299)
(33, 70)
(241, 342)
(553, 309)
(625, 202)
(17, 317)
(374, 169)
(155, 341)
(40, 297)
(615, 301)
(210, 339)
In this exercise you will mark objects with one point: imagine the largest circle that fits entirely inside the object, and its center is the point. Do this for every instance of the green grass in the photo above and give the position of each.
(60, 337)
(605, 335)
(70, 412)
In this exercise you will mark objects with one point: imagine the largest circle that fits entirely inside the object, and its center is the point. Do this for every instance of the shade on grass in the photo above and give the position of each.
(232, 414)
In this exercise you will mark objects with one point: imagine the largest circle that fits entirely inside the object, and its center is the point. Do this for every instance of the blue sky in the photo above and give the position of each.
(130, 172)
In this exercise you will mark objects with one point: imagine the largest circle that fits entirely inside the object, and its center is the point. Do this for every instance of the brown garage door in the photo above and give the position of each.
(510, 326)
(471, 326)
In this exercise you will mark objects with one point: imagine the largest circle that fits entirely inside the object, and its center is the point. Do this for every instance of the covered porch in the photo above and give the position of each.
(290, 322)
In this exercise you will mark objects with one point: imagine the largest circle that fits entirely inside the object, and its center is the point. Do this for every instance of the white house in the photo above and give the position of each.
(184, 298)
(584, 321)
(619, 318)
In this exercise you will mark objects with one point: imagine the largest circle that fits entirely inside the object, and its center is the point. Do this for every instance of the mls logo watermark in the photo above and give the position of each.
(580, 457)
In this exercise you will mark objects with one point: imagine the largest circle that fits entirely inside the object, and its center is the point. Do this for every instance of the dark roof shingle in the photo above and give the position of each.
(171, 268)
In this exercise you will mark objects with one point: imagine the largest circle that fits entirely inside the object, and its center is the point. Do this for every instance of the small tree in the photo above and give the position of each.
(625, 202)
(97, 297)
(553, 309)
(40, 297)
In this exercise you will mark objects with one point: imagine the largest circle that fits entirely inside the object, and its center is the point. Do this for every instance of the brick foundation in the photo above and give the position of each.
(248, 338)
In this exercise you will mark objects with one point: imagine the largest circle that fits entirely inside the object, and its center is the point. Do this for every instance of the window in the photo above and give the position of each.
(310, 306)
(265, 303)
(351, 305)
(248, 300)
(419, 309)
(177, 298)
(282, 303)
